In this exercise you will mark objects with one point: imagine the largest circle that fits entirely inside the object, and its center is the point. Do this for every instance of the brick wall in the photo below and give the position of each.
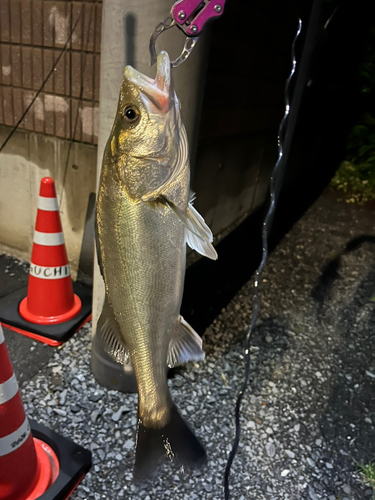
(32, 36)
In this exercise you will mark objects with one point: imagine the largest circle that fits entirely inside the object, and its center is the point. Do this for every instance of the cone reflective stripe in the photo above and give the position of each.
(47, 203)
(48, 239)
(49, 273)
(27, 467)
(50, 297)
(12, 441)
(8, 389)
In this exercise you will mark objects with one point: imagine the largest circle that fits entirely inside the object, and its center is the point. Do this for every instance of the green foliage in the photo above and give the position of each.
(368, 475)
(361, 142)
(356, 180)
(356, 175)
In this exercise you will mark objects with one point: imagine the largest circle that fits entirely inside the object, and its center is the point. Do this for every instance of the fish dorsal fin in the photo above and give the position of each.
(185, 345)
(109, 331)
(198, 235)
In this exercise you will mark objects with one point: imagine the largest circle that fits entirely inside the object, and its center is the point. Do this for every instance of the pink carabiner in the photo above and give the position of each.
(192, 15)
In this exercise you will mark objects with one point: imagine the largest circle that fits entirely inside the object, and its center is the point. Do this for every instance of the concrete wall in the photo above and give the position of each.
(26, 159)
(243, 103)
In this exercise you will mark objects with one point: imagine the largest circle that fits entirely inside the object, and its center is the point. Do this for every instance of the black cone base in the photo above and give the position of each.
(74, 462)
(53, 334)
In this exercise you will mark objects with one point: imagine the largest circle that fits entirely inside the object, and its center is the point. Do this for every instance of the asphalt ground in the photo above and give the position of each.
(309, 413)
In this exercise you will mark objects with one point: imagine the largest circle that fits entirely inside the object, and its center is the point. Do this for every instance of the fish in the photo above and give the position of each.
(144, 219)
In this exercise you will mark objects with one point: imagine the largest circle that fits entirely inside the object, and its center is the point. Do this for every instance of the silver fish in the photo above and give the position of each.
(144, 218)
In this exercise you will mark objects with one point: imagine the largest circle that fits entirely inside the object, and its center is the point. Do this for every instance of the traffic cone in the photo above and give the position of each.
(50, 297)
(26, 467)
(29, 466)
(51, 312)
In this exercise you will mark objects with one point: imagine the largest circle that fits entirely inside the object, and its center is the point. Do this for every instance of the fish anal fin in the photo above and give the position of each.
(108, 329)
(185, 345)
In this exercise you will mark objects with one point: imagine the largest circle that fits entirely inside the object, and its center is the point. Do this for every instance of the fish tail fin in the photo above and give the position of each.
(175, 441)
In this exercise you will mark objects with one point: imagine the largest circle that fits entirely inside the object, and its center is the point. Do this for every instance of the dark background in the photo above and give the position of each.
(249, 63)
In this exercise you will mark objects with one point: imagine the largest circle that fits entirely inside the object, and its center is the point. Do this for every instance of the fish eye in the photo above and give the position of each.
(131, 114)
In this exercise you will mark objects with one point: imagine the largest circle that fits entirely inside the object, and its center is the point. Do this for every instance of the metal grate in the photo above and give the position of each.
(32, 35)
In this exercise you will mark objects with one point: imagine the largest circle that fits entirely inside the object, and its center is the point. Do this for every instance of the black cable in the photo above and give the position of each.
(274, 192)
(72, 135)
(45, 80)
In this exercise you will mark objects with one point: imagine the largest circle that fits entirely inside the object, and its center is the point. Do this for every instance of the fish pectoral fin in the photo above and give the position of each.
(197, 234)
(203, 244)
(185, 345)
(181, 216)
(108, 329)
(98, 253)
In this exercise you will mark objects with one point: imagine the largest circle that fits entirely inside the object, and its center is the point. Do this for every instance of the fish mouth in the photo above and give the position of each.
(156, 93)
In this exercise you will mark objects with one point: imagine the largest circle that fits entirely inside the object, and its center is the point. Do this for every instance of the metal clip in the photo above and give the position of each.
(166, 24)
(190, 16)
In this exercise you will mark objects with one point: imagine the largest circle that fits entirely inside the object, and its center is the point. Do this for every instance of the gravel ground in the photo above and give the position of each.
(309, 412)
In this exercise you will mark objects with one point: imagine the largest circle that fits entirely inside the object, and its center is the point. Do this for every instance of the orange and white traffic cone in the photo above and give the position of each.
(29, 467)
(54, 308)
(50, 297)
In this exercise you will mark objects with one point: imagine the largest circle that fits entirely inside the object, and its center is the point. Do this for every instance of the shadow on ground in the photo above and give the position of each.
(331, 273)
(348, 424)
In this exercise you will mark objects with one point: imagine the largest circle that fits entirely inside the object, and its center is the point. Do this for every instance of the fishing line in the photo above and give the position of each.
(45, 80)
(275, 184)
(83, 67)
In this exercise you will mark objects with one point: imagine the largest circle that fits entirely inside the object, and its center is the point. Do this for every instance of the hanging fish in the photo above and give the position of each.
(144, 218)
